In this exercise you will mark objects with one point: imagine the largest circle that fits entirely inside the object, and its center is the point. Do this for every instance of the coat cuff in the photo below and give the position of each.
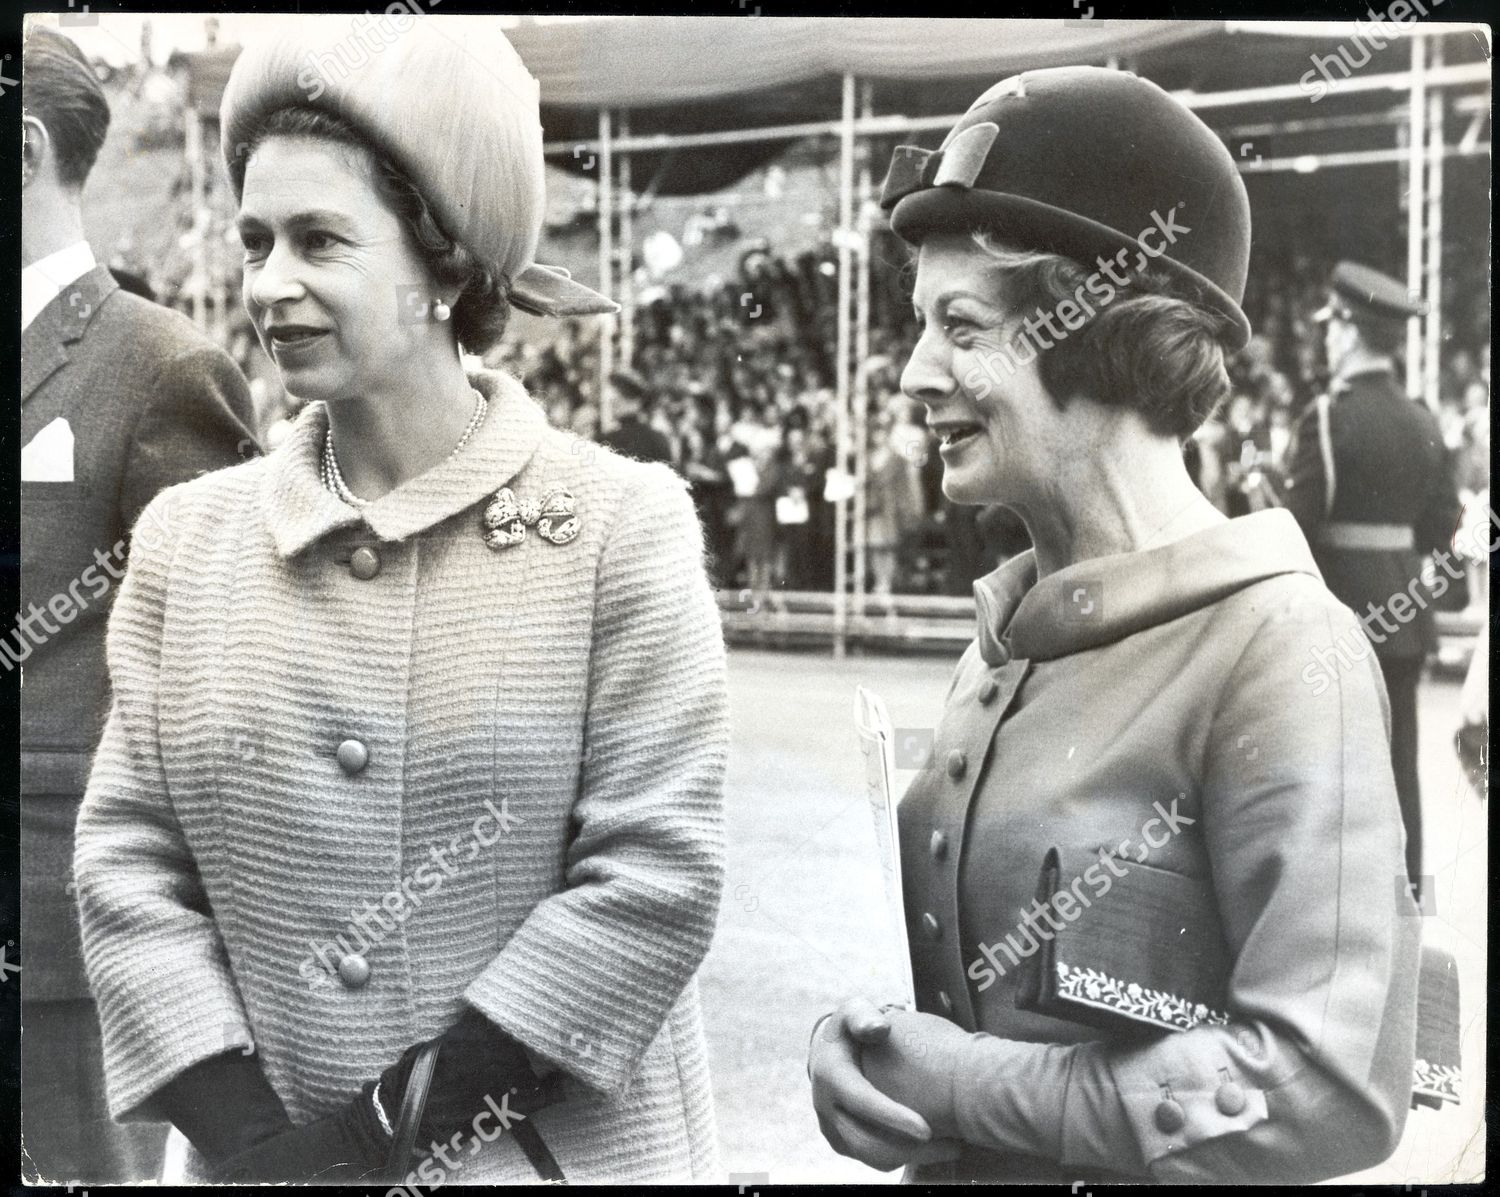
(544, 990)
(141, 1059)
(1175, 1098)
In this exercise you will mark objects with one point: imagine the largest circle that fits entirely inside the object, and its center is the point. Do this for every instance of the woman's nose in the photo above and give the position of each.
(275, 281)
(927, 374)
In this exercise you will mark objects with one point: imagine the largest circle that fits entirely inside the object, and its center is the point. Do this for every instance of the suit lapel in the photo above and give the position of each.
(44, 343)
(42, 350)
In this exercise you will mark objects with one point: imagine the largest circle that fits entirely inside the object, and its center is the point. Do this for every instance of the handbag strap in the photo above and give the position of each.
(414, 1102)
(540, 1155)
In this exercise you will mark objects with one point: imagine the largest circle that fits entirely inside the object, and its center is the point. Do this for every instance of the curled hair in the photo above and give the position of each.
(482, 309)
(1145, 347)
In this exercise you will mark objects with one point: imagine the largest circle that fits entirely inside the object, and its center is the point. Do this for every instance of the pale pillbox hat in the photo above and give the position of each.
(450, 102)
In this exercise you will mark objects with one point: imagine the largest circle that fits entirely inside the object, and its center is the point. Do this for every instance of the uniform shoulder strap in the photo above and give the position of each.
(1325, 447)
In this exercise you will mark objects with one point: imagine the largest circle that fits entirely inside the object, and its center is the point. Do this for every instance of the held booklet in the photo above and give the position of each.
(876, 742)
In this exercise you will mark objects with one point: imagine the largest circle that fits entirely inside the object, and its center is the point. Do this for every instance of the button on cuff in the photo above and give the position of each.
(1169, 1116)
(1230, 1099)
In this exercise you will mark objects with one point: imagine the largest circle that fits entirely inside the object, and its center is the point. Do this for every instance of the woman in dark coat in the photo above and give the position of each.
(1141, 709)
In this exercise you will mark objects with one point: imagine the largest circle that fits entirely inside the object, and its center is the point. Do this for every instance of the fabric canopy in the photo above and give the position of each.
(704, 74)
(639, 62)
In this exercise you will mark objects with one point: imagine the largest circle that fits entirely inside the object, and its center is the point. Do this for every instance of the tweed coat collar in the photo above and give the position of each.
(1105, 599)
(300, 510)
(45, 341)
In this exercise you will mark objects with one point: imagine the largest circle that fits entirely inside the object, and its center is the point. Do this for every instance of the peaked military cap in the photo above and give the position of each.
(1363, 293)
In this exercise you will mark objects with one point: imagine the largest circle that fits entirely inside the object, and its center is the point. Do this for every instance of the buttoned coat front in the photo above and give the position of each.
(361, 768)
(1155, 708)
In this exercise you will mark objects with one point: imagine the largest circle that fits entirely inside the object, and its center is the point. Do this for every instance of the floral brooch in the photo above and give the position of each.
(506, 518)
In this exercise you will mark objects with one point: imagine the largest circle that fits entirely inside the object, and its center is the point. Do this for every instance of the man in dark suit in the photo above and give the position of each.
(1371, 487)
(119, 398)
(632, 436)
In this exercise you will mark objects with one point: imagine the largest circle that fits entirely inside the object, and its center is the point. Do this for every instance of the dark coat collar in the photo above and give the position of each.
(1105, 599)
(300, 510)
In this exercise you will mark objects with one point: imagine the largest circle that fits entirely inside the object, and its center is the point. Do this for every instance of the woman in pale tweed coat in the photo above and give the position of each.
(393, 759)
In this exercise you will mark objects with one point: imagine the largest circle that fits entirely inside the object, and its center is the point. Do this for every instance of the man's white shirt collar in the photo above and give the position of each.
(43, 280)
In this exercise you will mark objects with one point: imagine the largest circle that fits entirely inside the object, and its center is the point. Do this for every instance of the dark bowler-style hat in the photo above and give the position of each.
(1361, 293)
(1087, 162)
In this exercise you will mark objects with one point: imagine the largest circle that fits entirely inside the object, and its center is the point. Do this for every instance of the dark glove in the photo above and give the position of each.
(346, 1147)
(475, 1060)
(224, 1105)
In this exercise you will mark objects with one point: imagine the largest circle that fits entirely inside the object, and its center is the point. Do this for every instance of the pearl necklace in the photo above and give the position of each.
(333, 478)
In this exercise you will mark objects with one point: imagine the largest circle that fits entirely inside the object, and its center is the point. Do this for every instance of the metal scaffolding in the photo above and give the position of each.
(1425, 84)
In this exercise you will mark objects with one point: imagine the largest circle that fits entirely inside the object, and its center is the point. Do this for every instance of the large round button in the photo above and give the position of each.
(939, 845)
(353, 756)
(957, 763)
(1169, 1117)
(945, 1001)
(988, 690)
(354, 971)
(931, 926)
(1230, 1099)
(364, 563)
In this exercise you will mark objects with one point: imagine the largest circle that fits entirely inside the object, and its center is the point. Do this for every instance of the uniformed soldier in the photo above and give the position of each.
(1371, 486)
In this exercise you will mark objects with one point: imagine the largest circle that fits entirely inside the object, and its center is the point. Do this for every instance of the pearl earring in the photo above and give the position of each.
(441, 311)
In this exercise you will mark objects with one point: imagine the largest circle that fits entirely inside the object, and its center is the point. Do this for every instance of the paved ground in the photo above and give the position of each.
(796, 928)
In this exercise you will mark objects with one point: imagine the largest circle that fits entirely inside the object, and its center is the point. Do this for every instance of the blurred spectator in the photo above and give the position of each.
(894, 508)
(758, 482)
(631, 435)
(704, 464)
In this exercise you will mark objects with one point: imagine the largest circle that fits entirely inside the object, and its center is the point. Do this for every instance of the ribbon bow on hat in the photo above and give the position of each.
(507, 518)
(958, 163)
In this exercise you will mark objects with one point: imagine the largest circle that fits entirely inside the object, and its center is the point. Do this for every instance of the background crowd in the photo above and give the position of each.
(735, 375)
(742, 393)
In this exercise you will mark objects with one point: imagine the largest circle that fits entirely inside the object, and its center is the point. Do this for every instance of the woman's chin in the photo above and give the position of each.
(308, 385)
(967, 486)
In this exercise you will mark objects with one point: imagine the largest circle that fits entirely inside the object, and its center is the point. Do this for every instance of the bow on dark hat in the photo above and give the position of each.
(913, 168)
(1092, 164)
